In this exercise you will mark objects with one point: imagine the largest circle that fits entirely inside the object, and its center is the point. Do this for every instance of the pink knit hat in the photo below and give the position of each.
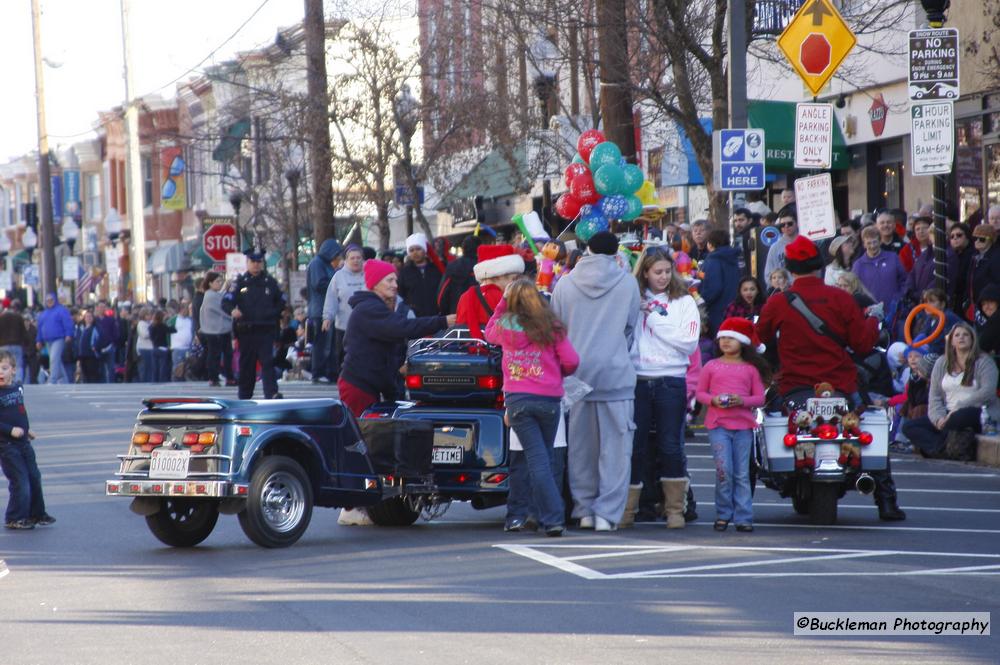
(376, 271)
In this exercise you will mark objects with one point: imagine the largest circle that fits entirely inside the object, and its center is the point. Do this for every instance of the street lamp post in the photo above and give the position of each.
(70, 233)
(543, 61)
(292, 175)
(113, 228)
(404, 109)
(935, 18)
(236, 200)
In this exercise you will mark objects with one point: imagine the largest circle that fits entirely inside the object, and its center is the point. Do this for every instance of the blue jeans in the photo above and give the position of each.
(324, 357)
(519, 501)
(57, 371)
(536, 419)
(665, 399)
(731, 450)
(107, 364)
(147, 366)
(18, 352)
(161, 361)
(24, 480)
(177, 357)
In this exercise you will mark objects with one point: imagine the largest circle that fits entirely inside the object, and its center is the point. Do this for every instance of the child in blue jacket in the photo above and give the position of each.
(26, 507)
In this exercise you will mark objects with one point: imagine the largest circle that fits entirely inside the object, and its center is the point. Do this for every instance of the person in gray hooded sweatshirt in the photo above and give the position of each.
(318, 275)
(599, 303)
(336, 309)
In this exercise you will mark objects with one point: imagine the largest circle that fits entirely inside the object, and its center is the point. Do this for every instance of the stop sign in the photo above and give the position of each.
(219, 240)
(814, 54)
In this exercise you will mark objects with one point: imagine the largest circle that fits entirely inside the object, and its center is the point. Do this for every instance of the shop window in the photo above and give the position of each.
(992, 159)
(969, 166)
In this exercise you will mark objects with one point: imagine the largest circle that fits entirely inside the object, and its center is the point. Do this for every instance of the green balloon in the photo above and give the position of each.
(634, 208)
(604, 153)
(633, 178)
(577, 159)
(609, 179)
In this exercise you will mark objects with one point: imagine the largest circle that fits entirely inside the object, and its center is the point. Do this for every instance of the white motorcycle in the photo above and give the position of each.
(815, 449)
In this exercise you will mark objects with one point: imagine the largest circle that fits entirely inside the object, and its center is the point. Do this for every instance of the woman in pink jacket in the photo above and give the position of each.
(536, 357)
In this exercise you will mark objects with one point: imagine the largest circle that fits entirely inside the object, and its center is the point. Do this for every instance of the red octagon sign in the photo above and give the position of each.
(219, 240)
(815, 53)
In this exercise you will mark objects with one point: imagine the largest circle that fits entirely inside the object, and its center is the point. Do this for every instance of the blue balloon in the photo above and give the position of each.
(614, 207)
(604, 153)
(577, 159)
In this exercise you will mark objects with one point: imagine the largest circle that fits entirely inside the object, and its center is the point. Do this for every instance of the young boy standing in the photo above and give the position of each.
(26, 507)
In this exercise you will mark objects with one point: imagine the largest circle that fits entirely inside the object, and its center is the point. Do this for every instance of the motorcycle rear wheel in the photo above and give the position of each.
(823, 504)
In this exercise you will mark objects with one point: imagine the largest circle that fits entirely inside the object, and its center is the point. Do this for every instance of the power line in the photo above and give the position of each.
(181, 76)
(212, 52)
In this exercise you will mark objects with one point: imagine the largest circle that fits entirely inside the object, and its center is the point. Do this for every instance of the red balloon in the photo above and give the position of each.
(583, 189)
(567, 206)
(587, 141)
(573, 170)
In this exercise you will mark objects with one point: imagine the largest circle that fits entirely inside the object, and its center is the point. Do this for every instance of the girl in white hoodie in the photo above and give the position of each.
(665, 337)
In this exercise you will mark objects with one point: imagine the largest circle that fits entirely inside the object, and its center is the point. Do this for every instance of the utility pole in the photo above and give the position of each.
(133, 170)
(616, 89)
(318, 123)
(46, 231)
(737, 79)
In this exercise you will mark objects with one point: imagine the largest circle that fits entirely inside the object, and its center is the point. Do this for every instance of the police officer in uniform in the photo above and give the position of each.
(255, 301)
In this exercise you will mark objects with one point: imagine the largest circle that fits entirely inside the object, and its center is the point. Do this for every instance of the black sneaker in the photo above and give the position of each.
(20, 524)
(45, 520)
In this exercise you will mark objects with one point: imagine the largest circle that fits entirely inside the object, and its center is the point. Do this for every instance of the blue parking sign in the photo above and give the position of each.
(738, 155)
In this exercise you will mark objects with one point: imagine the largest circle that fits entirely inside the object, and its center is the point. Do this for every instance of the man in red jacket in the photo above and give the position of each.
(498, 266)
(807, 356)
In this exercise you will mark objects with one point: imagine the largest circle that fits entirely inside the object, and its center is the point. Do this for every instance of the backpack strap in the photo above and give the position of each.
(482, 301)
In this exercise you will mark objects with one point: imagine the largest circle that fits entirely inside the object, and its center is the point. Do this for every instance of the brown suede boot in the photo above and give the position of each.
(674, 501)
(631, 507)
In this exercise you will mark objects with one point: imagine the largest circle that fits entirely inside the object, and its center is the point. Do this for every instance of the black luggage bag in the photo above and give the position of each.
(399, 447)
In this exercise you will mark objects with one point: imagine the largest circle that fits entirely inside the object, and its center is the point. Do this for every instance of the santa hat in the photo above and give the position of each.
(496, 260)
(376, 271)
(742, 331)
(802, 257)
(416, 240)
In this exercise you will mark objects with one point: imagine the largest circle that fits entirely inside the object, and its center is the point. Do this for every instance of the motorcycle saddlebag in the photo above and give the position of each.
(399, 447)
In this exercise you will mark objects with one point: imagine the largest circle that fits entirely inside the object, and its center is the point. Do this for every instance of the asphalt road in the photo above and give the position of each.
(97, 587)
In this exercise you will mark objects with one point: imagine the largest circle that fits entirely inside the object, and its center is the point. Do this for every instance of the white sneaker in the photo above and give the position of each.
(587, 522)
(601, 524)
(354, 517)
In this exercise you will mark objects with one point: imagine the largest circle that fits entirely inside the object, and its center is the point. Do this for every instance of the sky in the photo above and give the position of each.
(168, 38)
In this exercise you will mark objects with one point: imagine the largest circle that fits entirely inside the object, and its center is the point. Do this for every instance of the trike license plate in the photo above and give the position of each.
(448, 454)
(169, 463)
(827, 407)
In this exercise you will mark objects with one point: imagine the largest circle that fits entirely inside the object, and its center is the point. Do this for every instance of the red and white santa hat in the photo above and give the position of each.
(496, 260)
(742, 331)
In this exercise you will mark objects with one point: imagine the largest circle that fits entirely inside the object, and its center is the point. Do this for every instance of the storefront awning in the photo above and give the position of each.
(177, 257)
(491, 178)
(777, 119)
(230, 143)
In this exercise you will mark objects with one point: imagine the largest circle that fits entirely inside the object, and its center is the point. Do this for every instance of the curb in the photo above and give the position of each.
(988, 450)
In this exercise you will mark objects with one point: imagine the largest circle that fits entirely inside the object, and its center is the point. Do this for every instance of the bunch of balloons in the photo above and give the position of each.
(602, 187)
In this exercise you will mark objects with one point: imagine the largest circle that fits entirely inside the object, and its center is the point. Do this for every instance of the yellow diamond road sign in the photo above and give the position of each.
(816, 41)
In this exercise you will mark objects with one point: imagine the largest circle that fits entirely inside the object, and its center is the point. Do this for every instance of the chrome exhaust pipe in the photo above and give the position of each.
(865, 484)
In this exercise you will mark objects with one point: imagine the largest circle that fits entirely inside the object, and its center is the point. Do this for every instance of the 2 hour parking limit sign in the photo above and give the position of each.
(219, 240)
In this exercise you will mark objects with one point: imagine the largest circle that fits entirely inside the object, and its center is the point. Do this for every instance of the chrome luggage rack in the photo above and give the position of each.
(455, 340)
